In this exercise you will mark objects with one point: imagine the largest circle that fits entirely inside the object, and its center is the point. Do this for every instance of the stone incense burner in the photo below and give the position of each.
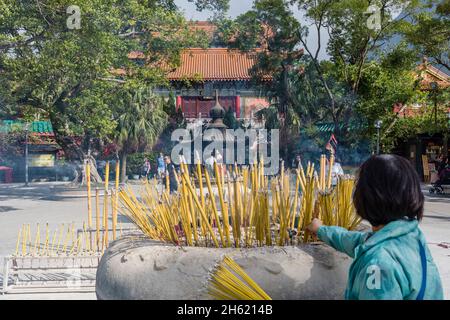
(140, 269)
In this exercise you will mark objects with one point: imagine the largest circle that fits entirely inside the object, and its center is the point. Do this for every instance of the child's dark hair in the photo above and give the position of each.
(388, 189)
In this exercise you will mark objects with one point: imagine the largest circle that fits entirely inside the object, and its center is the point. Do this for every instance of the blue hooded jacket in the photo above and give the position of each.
(387, 263)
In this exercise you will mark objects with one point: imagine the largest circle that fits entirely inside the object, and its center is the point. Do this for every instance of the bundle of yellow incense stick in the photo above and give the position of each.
(64, 241)
(242, 207)
(230, 282)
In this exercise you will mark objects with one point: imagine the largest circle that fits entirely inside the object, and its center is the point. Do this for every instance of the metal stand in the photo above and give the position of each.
(50, 274)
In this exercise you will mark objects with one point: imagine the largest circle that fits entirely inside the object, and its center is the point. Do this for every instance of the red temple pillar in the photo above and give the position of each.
(178, 103)
(238, 107)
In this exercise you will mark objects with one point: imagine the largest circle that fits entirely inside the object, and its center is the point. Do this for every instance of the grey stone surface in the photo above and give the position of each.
(134, 268)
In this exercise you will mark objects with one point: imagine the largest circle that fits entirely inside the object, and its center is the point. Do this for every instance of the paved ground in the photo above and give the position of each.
(50, 296)
(53, 203)
(436, 226)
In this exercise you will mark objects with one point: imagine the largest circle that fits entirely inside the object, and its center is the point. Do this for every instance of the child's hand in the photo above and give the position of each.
(314, 225)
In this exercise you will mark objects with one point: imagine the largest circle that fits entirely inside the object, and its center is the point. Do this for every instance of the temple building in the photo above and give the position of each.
(202, 72)
(424, 149)
(219, 69)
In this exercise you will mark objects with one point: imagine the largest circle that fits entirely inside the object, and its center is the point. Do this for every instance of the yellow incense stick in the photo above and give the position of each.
(88, 182)
(19, 237)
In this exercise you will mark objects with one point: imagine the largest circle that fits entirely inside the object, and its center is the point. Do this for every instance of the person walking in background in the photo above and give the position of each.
(209, 164)
(146, 168)
(161, 165)
(443, 172)
(443, 165)
(170, 172)
(296, 162)
(218, 157)
(392, 262)
(101, 165)
(220, 162)
(434, 172)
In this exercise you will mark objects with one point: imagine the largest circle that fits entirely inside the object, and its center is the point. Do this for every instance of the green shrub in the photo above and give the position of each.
(135, 162)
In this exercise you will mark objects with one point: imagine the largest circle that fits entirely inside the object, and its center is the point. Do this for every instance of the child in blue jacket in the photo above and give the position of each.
(393, 261)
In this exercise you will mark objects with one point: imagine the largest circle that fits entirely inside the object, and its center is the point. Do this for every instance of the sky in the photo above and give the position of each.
(238, 7)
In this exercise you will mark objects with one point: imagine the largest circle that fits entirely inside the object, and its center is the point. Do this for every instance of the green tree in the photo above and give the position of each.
(328, 89)
(429, 32)
(429, 119)
(141, 119)
(353, 46)
(11, 147)
(69, 75)
(270, 26)
(314, 89)
(384, 83)
(230, 120)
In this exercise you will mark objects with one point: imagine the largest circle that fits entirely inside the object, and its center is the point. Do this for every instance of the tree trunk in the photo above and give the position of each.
(73, 151)
(123, 165)
(446, 145)
(95, 176)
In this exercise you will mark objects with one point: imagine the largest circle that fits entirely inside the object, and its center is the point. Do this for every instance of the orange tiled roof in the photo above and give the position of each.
(426, 74)
(219, 64)
(429, 74)
(214, 64)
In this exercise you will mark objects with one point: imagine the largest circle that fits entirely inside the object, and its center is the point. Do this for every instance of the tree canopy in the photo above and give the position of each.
(369, 69)
(86, 78)
(428, 31)
(73, 76)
